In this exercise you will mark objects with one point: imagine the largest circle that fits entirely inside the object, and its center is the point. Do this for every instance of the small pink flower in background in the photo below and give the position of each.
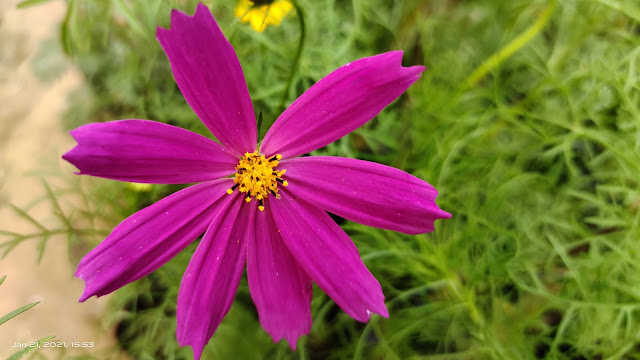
(257, 204)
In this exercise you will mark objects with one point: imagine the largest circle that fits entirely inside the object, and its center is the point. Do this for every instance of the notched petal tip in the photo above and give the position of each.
(161, 32)
(366, 192)
(197, 349)
(84, 297)
(339, 103)
(67, 156)
(291, 337)
(200, 8)
(76, 134)
(293, 340)
(383, 312)
(70, 157)
(177, 16)
(415, 70)
(380, 309)
(325, 252)
(397, 57)
(419, 69)
(439, 213)
(87, 292)
(210, 77)
(211, 279)
(74, 156)
(146, 151)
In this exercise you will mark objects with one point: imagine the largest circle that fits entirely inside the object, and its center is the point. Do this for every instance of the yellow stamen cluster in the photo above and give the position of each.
(257, 177)
(262, 13)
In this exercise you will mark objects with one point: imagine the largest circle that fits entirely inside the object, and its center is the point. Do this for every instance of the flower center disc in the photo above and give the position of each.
(257, 177)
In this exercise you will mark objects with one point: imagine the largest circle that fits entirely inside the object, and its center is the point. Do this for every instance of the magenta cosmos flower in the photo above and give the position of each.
(257, 204)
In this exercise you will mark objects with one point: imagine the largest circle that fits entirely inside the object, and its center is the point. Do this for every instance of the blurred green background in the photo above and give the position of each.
(527, 121)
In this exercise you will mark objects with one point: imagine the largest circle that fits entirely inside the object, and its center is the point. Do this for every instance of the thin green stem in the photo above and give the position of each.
(628, 9)
(23, 237)
(296, 59)
(260, 117)
(514, 45)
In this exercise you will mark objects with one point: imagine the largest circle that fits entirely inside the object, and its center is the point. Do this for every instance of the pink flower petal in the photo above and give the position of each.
(148, 152)
(210, 78)
(280, 289)
(328, 256)
(339, 103)
(365, 192)
(211, 280)
(149, 238)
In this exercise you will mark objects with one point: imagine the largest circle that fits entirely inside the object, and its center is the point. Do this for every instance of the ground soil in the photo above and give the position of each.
(30, 135)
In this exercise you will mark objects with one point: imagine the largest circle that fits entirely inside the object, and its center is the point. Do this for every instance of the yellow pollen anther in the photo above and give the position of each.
(258, 177)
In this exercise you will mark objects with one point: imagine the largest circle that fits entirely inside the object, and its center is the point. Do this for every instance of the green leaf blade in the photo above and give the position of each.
(17, 312)
(28, 3)
(20, 354)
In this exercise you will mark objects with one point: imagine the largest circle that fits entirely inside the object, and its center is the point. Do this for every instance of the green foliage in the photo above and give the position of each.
(24, 352)
(27, 3)
(17, 312)
(21, 353)
(527, 121)
(66, 224)
(49, 63)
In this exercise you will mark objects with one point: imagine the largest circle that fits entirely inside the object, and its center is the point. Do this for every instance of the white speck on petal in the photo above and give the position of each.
(368, 312)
